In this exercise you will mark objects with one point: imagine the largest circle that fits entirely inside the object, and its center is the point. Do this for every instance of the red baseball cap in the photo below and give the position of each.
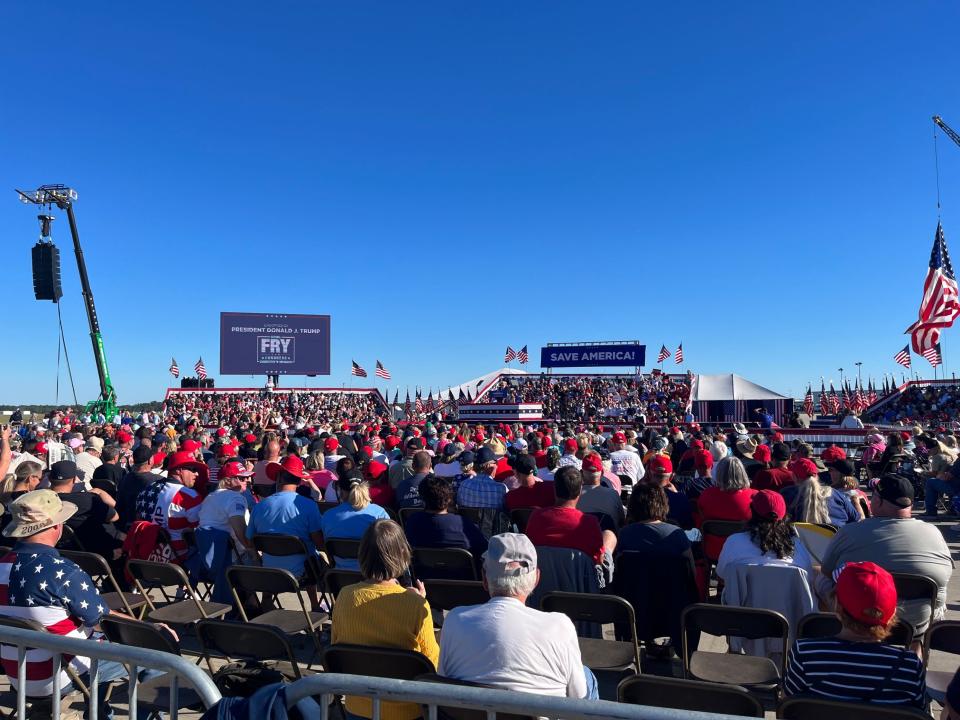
(187, 460)
(374, 469)
(762, 453)
(235, 469)
(804, 468)
(190, 446)
(833, 453)
(250, 438)
(227, 450)
(571, 445)
(124, 437)
(391, 442)
(291, 463)
(769, 505)
(619, 437)
(592, 463)
(697, 444)
(331, 444)
(867, 593)
(221, 432)
(660, 465)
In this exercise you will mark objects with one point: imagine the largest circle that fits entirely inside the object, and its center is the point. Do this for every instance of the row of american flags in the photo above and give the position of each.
(857, 399)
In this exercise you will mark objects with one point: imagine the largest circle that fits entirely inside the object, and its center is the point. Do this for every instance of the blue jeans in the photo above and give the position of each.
(933, 488)
(593, 692)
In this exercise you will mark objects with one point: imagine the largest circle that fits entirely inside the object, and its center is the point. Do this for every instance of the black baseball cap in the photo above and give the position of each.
(843, 466)
(63, 470)
(780, 452)
(895, 489)
(524, 464)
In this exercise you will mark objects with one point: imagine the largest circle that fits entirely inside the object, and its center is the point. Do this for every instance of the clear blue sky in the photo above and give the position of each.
(753, 179)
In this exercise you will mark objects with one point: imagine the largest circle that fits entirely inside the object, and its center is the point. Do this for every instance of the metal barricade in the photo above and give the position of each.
(134, 658)
(325, 686)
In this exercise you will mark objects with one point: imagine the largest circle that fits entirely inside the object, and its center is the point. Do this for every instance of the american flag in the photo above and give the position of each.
(406, 404)
(172, 506)
(509, 355)
(679, 356)
(859, 402)
(53, 591)
(522, 356)
(933, 355)
(174, 368)
(200, 369)
(846, 397)
(396, 395)
(940, 305)
(418, 404)
(871, 394)
(834, 399)
(824, 400)
(381, 371)
(903, 357)
(808, 401)
(356, 369)
(428, 407)
(664, 354)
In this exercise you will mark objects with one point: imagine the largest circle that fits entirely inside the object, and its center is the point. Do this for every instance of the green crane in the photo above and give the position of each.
(64, 197)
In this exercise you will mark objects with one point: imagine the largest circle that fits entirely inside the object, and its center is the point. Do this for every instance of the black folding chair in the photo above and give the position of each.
(99, 571)
(343, 548)
(242, 641)
(337, 578)
(694, 695)
(916, 587)
(720, 529)
(450, 594)
(375, 661)
(802, 708)
(69, 540)
(279, 545)
(755, 673)
(815, 625)
(444, 564)
(943, 636)
(404, 514)
(155, 693)
(596, 653)
(149, 575)
(273, 582)
(519, 517)
(446, 712)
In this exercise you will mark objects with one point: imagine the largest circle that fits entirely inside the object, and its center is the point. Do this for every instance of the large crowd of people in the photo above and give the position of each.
(650, 398)
(576, 506)
(928, 405)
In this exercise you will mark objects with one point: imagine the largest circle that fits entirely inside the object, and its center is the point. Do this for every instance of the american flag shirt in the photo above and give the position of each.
(172, 506)
(37, 584)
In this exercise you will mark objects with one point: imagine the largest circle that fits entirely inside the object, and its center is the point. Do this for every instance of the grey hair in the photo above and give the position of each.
(812, 498)
(731, 475)
(512, 585)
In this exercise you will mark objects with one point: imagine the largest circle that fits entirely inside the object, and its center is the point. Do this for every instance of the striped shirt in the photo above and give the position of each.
(172, 506)
(37, 584)
(849, 671)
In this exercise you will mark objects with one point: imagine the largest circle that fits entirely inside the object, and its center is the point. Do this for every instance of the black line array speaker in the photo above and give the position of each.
(46, 272)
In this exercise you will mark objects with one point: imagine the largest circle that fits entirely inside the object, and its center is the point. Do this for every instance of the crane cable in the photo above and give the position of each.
(936, 164)
(62, 342)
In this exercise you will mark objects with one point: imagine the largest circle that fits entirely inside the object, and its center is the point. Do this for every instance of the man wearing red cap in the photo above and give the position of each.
(624, 461)
(331, 453)
(570, 448)
(595, 497)
(857, 665)
(173, 502)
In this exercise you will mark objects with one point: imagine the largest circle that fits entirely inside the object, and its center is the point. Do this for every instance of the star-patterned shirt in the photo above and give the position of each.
(37, 584)
(173, 507)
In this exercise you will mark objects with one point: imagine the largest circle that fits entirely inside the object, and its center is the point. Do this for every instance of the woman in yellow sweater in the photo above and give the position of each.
(381, 612)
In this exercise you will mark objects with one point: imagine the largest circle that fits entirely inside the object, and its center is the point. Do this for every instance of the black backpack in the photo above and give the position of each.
(243, 679)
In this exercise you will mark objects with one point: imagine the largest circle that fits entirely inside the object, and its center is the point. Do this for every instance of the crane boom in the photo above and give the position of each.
(949, 131)
(63, 197)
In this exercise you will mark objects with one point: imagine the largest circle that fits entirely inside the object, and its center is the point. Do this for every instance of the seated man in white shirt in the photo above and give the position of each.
(507, 644)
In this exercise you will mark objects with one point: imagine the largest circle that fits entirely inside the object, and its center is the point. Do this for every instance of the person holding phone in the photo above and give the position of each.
(382, 612)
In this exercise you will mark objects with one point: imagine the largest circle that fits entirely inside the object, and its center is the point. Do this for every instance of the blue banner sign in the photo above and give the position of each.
(618, 355)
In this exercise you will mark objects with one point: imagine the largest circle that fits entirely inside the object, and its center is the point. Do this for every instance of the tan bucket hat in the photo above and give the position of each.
(35, 512)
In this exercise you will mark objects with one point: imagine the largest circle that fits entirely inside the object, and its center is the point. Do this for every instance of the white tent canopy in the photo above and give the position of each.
(727, 386)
